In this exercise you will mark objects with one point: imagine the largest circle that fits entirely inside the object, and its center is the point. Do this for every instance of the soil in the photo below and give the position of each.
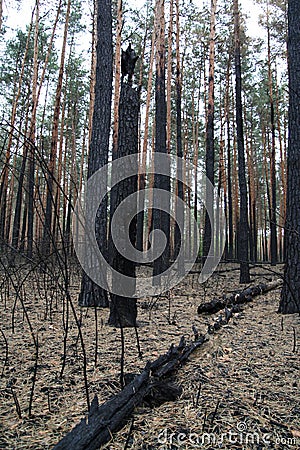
(240, 389)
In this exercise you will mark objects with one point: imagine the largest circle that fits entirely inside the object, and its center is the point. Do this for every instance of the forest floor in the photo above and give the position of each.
(240, 389)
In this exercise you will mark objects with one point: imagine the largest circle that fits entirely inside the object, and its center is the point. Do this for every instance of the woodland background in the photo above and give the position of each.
(225, 102)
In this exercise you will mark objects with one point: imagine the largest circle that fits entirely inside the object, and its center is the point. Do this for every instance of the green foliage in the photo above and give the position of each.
(12, 61)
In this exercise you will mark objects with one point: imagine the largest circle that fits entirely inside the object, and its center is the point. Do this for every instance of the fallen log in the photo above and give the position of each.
(95, 430)
(237, 298)
(150, 386)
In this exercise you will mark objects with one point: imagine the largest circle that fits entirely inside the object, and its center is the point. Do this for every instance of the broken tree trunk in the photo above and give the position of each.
(97, 428)
(123, 309)
(237, 298)
(151, 386)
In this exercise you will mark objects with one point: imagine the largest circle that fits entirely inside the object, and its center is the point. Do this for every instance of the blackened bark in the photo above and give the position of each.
(17, 217)
(123, 310)
(30, 208)
(140, 216)
(229, 171)
(210, 147)
(290, 295)
(161, 218)
(254, 233)
(151, 386)
(237, 298)
(91, 294)
(243, 229)
(178, 238)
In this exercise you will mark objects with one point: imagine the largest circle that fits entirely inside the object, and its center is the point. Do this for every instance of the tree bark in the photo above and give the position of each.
(210, 147)
(229, 165)
(273, 226)
(117, 76)
(110, 416)
(123, 310)
(237, 298)
(1, 12)
(243, 226)
(47, 231)
(143, 158)
(290, 295)
(161, 218)
(91, 294)
(179, 239)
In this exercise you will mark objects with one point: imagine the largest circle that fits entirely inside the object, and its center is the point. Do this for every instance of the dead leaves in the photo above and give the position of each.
(250, 358)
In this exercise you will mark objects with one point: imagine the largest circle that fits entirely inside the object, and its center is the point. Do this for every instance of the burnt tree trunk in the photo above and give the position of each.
(91, 294)
(178, 237)
(150, 386)
(290, 296)
(123, 310)
(238, 297)
(243, 226)
(229, 164)
(210, 147)
(161, 218)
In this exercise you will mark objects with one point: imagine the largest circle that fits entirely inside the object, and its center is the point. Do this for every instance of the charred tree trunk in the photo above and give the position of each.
(179, 239)
(117, 77)
(161, 218)
(243, 228)
(150, 386)
(238, 298)
(123, 310)
(229, 164)
(143, 158)
(290, 296)
(91, 294)
(210, 148)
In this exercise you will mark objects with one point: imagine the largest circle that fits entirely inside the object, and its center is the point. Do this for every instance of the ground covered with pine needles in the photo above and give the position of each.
(240, 390)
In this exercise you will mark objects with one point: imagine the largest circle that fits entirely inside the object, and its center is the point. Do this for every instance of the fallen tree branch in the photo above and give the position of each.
(237, 298)
(97, 428)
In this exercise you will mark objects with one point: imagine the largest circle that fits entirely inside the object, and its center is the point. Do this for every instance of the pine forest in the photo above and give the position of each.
(149, 224)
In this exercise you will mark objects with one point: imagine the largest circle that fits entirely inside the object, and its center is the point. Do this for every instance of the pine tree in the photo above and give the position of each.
(161, 218)
(243, 226)
(290, 295)
(91, 294)
(210, 150)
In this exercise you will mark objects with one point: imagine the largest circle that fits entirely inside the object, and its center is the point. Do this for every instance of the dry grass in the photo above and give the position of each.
(246, 376)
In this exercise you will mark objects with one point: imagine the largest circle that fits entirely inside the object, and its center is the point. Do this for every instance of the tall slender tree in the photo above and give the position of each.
(1, 12)
(91, 294)
(229, 162)
(123, 309)
(117, 76)
(273, 227)
(161, 218)
(179, 240)
(5, 172)
(140, 239)
(290, 295)
(210, 150)
(243, 226)
(46, 244)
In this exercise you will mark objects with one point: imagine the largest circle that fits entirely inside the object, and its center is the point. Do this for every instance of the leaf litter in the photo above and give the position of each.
(240, 389)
